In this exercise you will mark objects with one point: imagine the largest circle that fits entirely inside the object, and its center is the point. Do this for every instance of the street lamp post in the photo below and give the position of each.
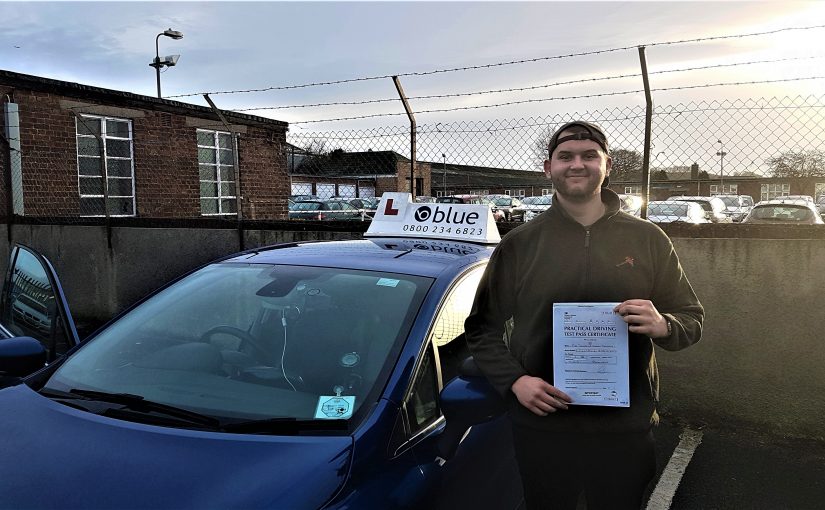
(444, 156)
(167, 61)
(721, 153)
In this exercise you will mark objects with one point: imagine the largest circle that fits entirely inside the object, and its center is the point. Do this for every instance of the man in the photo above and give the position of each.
(582, 249)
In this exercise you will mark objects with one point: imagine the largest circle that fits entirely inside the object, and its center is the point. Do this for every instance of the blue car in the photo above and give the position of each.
(300, 376)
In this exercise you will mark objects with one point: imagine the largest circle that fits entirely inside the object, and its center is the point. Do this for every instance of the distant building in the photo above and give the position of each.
(72, 150)
(353, 174)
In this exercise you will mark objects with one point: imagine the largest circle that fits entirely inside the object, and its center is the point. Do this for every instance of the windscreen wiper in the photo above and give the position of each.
(137, 404)
(284, 425)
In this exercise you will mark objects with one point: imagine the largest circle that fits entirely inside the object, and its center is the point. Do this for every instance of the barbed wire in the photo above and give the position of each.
(563, 98)
(501, 64)
(523, 89)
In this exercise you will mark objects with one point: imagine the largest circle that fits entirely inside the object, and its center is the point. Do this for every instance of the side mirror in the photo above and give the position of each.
(466, 400)
(21, 356)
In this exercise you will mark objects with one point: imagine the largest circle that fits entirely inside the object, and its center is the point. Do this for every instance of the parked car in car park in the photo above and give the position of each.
(508, 205)
(631, 204)
(498, 215)
(808, 199)
(782, 211)
(820, 204)
(302, 376)
(736, 206)
(366, 206)
(714, 207)
(324, 210)
(533, 206)
(672, 211)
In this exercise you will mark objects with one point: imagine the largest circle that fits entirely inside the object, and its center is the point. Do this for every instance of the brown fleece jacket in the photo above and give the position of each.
(554, 259)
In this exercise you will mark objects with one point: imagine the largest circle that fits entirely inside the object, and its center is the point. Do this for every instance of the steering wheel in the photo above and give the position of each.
(238, 333)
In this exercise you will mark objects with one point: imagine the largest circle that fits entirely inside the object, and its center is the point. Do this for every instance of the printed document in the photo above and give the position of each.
(590, 357)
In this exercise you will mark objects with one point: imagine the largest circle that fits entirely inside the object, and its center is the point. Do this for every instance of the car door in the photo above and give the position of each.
(33, 303)
(482, 474)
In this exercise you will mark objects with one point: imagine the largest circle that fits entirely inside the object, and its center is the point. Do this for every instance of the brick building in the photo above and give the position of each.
(354, 174)
(66, 149)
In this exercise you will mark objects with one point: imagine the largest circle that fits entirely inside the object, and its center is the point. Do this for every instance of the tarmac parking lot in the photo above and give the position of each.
(735, 468)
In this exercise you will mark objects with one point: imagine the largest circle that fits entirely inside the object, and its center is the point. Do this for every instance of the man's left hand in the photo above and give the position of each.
(643, 318)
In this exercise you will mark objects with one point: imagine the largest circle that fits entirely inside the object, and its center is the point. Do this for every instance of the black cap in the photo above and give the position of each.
(593, 132)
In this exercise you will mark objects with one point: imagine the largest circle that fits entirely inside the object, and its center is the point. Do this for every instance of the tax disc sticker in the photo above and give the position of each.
(387, 282)
(334, 408)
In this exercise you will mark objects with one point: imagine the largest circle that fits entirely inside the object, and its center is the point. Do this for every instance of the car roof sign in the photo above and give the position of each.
(399, 216)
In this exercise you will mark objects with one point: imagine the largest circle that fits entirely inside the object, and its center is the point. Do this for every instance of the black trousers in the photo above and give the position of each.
(613, 470)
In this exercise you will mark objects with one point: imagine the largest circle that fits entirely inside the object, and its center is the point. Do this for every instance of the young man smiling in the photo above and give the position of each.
(582, 249)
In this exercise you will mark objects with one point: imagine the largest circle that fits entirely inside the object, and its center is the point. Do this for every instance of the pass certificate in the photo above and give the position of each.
(590, 358)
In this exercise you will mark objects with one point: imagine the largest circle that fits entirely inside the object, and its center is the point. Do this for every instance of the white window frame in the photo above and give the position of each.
(105, 177)
(632, 190)
(219, 182)
(507, 192)
(546, 191)
(727, 189)
(520, 193)
(773, 190)
(301, 188)
(819, 190)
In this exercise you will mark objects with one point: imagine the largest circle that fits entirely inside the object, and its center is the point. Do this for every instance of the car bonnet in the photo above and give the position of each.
(55, 456)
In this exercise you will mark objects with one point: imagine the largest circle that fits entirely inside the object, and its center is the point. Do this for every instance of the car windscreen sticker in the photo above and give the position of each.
(388, 282)
(332, 407)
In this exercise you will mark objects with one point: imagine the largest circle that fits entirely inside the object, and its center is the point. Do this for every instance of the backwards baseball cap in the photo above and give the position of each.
(589, 131)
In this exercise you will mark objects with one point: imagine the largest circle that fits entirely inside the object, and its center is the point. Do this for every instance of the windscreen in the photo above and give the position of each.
(253, 341)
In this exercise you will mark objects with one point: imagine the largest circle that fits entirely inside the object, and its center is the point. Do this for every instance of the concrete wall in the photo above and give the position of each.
(759, 364)
(761, 360)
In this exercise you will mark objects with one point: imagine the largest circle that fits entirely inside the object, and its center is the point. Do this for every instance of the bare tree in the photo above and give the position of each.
(798, 163)
(627, 166)
(539, 148)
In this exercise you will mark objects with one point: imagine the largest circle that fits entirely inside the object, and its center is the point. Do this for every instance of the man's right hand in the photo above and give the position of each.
(539, 396)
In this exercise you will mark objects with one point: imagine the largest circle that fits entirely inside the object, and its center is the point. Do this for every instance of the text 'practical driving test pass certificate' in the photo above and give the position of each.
(590, 358)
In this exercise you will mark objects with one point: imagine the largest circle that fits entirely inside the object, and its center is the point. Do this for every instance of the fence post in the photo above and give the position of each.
(648, 125)
(105, 171)
(412, 133)
(5, 148)
(235, 164)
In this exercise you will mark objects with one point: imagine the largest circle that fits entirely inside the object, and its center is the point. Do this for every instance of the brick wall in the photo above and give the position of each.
(165, 156)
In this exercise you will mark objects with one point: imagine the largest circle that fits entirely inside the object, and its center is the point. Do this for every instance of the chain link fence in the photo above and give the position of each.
(759, 147)
(712, 146)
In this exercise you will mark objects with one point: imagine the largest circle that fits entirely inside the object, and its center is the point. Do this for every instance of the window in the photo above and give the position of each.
(819, 190)
(727, 189)
(546, 191)
(301, 188)
(440, 194)
(112, 162)
(447, 336)
(366, 191)
(448, 329)
(216, 160)
(633, 190)
(346, 190)
(325, 190)
(520, 193)
(507, 192)
(771, 191)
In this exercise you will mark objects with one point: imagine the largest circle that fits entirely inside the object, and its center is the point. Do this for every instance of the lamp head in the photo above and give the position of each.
(174, 34)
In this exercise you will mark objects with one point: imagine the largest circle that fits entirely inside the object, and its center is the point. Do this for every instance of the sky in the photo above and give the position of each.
(253, 45)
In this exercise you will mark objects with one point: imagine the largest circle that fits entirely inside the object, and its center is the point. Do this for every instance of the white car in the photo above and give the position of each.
(714, 207)
(736, 206)
(672, 211)
(532, 206)
(782, 211)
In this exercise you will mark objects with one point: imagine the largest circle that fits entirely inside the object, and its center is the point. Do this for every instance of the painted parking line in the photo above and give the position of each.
(662, 495)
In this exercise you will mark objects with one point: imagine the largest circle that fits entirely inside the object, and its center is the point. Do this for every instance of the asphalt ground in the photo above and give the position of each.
(735, 468)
